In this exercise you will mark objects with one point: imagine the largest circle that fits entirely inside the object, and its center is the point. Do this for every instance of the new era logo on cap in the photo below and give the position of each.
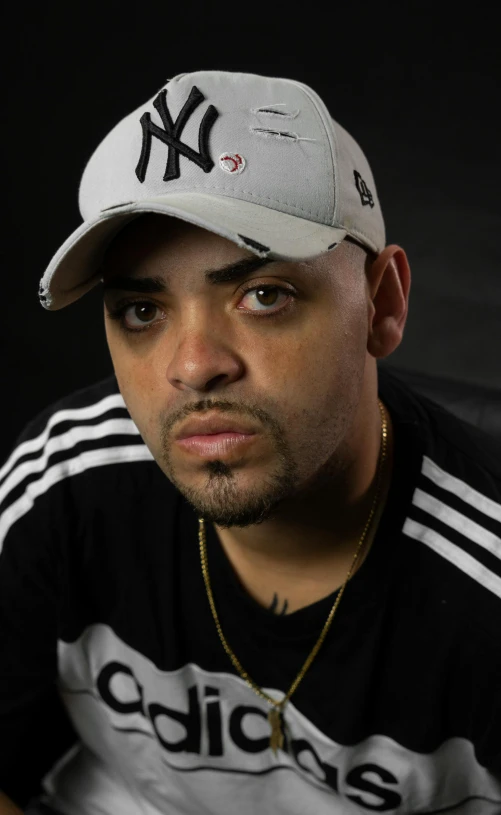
(363, 189)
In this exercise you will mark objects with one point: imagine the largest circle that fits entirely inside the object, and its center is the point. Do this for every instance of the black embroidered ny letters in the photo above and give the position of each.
(171, 135)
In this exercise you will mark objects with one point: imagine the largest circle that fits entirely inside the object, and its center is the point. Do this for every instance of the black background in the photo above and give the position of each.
(418, 86)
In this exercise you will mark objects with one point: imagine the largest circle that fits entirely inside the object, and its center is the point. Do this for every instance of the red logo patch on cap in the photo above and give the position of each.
(232, 163)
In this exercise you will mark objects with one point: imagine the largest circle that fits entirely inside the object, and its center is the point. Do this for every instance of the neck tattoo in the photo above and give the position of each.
(274, 606)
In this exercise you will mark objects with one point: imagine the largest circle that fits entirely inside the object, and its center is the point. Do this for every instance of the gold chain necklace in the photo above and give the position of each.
(275, 714)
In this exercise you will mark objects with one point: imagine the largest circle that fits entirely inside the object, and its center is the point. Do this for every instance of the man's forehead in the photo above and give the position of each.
(173, 238)
(153, 235)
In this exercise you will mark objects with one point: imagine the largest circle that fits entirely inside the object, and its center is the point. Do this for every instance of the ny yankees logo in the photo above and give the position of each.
(363, 189)
(171, 135)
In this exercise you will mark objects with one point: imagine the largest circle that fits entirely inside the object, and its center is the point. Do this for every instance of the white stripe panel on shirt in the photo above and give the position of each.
(454, 554)
(458, 521)
(65, 469)
(65, 441)
(465, 526)
(460, 488)
(72, 414)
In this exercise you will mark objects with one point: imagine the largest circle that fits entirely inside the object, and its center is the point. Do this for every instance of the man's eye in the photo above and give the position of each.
(266, 292)
(133, 306)
(265, 295)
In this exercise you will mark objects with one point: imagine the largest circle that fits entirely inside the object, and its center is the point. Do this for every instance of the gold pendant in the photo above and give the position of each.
(277, 736)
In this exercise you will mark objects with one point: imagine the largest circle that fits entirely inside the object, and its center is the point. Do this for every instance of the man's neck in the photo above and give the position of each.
(285, 578)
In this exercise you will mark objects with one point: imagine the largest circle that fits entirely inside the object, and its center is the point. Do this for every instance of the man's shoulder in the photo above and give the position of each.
(81, 399)
(82, 402)
(56, 426)
(466, 451)
(451, 431)
(75, 445)
(454, 516)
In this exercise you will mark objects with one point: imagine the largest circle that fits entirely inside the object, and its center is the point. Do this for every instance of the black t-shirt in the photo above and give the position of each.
(115, 689)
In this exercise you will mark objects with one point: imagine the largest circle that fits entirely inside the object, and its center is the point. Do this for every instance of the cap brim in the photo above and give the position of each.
(75, 268)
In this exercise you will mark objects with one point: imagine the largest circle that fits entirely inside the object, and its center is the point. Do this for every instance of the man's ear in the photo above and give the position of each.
(388, 282)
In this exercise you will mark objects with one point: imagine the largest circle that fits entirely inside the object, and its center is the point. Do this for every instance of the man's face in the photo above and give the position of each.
(291, 367)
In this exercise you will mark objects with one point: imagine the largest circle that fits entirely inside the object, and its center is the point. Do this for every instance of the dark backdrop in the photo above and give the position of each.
(416, 85)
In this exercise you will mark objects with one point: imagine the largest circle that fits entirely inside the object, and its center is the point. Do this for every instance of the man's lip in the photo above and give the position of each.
(213, 436)
(211, 425)
(212, 444)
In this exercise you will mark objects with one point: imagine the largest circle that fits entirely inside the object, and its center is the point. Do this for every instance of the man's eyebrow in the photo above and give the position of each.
(157, 284)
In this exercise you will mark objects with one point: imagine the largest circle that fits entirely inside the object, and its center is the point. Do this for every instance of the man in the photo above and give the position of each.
(258, 573)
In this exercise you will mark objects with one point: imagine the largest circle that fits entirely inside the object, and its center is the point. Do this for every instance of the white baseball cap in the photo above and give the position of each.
(255, 159)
